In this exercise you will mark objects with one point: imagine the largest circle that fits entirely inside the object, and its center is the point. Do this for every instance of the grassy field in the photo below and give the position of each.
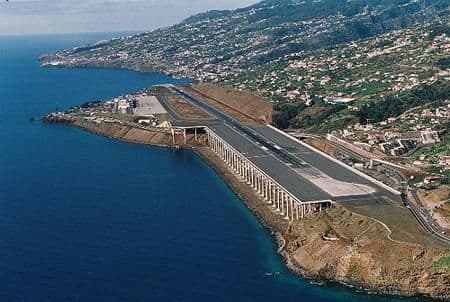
(399, 220)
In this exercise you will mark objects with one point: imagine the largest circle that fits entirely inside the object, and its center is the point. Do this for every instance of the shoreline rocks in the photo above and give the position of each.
(365, 263)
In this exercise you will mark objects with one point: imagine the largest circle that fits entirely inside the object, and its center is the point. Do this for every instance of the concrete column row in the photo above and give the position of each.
(272, 193)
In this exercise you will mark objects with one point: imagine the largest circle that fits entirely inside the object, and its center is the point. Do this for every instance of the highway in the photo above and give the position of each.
(423, 217)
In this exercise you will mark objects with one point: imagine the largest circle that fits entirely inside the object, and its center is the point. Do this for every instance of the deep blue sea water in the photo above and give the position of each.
(85, 218)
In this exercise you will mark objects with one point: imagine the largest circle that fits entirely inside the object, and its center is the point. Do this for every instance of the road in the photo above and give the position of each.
(410, 199)
(423, 216)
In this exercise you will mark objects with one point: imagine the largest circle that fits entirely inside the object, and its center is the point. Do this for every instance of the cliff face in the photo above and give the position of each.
(364, 256)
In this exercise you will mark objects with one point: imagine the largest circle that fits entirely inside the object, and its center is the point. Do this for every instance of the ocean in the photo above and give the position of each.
(86, 218)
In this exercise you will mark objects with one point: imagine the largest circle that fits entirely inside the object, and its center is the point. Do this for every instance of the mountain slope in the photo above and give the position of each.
(220, 41)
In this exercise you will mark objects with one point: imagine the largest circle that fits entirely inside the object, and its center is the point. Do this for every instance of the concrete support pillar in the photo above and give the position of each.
(238, 165)
(279, 199)
(227, 158)
(270, 192)
(261, 185)
(265, 188)
(245, 171)
(233, 161)
(276, 197)
(241, 167)
(292, 209)
(173, 135)
(288, 199)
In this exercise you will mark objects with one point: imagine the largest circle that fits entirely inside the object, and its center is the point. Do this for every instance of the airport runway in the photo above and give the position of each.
(307, 174)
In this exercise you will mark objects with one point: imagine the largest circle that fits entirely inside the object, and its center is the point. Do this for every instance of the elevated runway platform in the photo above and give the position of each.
(282, 164)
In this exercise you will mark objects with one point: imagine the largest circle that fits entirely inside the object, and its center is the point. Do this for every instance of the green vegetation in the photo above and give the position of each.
(330, 117)
(444, 63)
(416, 179)
(394, 105)
(285, 112)
(433, 151)
(445, 179)
(443, 263)
(353, 270)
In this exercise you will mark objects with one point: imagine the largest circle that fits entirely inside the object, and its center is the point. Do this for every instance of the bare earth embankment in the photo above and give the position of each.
(243, 106)
(155, 136)
(437, 201)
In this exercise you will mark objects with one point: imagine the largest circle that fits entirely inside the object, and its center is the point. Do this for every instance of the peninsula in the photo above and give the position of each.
(333, 222)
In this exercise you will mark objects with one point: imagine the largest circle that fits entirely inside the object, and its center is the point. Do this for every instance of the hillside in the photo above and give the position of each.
(292, 51)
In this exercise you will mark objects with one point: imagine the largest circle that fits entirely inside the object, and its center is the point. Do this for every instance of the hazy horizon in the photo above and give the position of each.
(18, 17)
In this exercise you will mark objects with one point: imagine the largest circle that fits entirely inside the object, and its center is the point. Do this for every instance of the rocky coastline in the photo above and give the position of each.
(364, 258)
